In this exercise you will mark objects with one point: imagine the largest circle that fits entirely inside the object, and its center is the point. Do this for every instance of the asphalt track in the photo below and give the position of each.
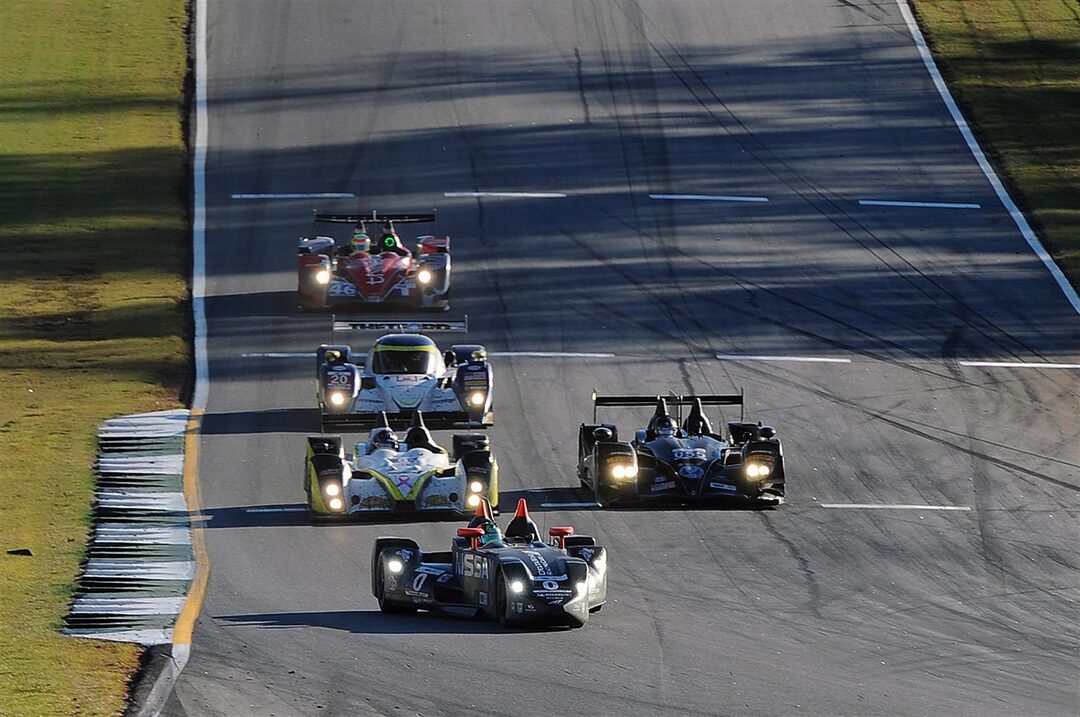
(812, 104)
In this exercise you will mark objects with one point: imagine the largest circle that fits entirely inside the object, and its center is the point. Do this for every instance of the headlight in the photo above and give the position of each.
(476, 398)
(322, 276)
(336, 504)
(473, 500)
(424, 276)
(394, 565)
(517, 587)
(337, 398)
(757, 470)
(623, 470)
(476, 486)
(332, 489)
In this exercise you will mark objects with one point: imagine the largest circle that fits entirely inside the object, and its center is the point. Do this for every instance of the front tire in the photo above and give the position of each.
(386, 605)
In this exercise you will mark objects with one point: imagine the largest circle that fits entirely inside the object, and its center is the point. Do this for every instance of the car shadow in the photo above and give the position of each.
(374, 622)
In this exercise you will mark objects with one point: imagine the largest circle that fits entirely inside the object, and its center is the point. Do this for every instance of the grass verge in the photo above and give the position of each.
(94, 242)
(1013, 68)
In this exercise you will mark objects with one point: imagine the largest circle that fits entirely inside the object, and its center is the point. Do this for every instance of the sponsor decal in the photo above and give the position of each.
(723, 486)
(691, 472)
(340, 287)
(391, 583)
(475, 566)
(665, 485)
(587, 553)
(539, 562)
(429, 570)
(688, 454)
(483, 596)
(437, 500)
(405, 554)
(419, 580)
(529, 607)
(474, 367)
(374, 501)
(476, 384)
(444, 578)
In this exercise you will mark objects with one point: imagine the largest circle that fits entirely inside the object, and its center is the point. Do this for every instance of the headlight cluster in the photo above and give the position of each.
(335, 504)
(322, 276)
(476, 398)
(623, 470)
(517, 587)
(758, 470)
(475, 488)
(337, 398)
(424, 276)
(394, 565)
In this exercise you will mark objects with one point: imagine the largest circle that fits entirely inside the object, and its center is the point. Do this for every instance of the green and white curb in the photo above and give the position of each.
(140, 563)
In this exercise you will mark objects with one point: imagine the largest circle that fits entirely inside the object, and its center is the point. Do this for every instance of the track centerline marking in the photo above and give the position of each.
(924, 205)
(894, 506)
(549, 354)
(507, 195)
(706, 198)
(1020, 364)
(569, 505)
(295, 195)
(798, 359)
(289, 509)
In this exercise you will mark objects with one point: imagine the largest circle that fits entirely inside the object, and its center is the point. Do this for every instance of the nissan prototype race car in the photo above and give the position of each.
(511, 576)
(404, 373)
(387, 474)
(373, 267)
(680, 460)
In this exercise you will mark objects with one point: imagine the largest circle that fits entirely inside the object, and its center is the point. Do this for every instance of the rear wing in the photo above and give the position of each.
(374, 217)
(719, 399)
(405, 327)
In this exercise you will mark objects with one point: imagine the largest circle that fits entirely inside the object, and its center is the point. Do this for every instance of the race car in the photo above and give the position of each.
(667, 461)
(511, 576)
(404, 373)
(386, 474)
(373, 267)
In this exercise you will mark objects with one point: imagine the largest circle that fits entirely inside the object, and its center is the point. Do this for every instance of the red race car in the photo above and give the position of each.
(373, 267)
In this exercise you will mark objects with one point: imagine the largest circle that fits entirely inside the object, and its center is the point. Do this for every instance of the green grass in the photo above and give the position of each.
(94, 243)
(1014, 67)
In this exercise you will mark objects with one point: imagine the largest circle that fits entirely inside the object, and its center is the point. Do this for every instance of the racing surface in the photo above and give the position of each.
(811, 104)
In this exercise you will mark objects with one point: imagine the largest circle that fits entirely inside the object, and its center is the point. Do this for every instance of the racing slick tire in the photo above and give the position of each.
(386, 605)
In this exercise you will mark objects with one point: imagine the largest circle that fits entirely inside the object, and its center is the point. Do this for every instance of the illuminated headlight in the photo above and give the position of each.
(473, 500)
(623, 470)
(424, 276)
(757, 470)
(332, 489)
(476, 398)
(394, 565)
(517, 587)
(337, 398)
(336, 504)
(476, 486)
(322, 276)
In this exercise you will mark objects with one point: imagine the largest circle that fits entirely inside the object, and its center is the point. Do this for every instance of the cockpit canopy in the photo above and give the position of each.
(404, 354)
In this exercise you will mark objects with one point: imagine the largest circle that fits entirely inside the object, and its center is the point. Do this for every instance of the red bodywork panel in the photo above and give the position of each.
(377, 275)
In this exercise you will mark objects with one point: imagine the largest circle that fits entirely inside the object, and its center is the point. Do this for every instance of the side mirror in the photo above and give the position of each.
(473, 534)
(561, 533)
(602, 433)
(449, 358)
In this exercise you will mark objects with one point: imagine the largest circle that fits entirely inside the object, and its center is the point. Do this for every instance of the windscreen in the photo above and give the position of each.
(403, 360)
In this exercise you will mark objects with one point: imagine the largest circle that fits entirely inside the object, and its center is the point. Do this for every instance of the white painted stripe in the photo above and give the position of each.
(926, 205)
(108, 533)
(707, 198)
(179, 570)
(549, 354)
(1020, 364)
(799, 359)
(893, 506)
(280, 355)
(145, 465)
(139, 637)
(296, 195)
(570, 506)
(291, 509)
(522, 195)
(136, 500)
(93, 605)
(198, 230)
(984, 164)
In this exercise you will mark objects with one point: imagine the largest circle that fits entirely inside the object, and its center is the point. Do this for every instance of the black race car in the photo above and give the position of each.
(680, 460)
(513, 576)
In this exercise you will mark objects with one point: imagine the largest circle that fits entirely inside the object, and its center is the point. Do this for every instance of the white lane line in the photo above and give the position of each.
(925, 205)
(984, 165)
(520, 195)
(706, 198)
(198, 268)
(276, 510)
(296, 195)
(893, 506)
(1020, 364)
(570, 506)
(274, 354)
(549, 354)
(800, 359)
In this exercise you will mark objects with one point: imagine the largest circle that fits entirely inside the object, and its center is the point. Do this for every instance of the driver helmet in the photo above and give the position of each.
(360, 241)
(666, 427)
(492, 534)
(384, 438)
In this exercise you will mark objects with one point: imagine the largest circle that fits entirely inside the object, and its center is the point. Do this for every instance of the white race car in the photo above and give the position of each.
(402, 374)
(413, 474)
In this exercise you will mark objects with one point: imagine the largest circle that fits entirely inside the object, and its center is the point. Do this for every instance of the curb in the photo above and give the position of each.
(154, 683)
